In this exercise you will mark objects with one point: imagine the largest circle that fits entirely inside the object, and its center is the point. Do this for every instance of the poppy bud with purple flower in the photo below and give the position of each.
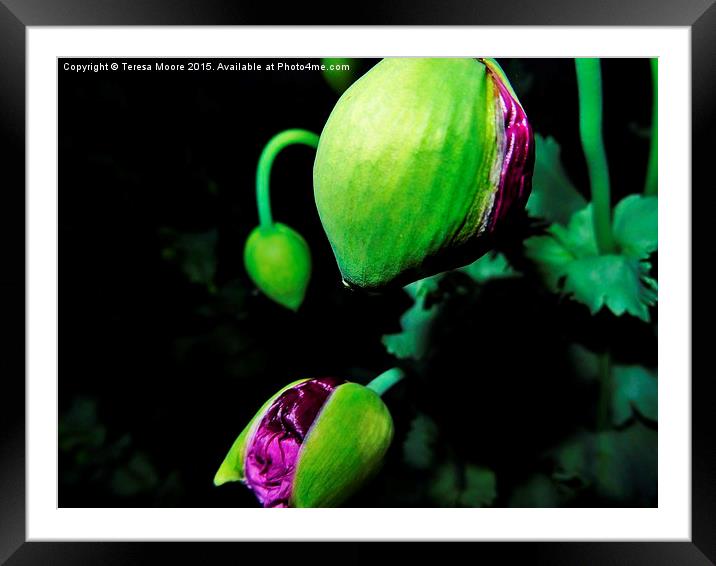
(421, 160)
(313, 444)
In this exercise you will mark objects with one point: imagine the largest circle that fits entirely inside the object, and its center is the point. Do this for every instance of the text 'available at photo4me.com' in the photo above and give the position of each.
(222, 65)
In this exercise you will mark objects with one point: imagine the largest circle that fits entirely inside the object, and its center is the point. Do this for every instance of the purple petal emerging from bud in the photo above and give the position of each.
(518, 157)
(272, 452)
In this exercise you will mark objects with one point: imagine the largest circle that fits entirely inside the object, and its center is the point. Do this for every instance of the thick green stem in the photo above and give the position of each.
(589, 83)
(263, 171)
(652, 171)
(386, 380)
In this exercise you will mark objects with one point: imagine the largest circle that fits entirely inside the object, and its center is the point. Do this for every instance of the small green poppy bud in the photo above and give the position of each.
(313, 444)
(418, 163)
(340, 72)
(278, 260)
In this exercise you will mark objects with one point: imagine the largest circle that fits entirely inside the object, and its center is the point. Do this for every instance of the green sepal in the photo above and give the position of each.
(232, 468)
(495, 67)
(344, 447)
(278, 260)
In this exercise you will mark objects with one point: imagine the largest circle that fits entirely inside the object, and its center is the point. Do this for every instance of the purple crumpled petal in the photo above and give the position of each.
(272, 451)
(518, 159)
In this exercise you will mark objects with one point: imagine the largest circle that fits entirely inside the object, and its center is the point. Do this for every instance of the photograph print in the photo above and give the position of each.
(340, 282)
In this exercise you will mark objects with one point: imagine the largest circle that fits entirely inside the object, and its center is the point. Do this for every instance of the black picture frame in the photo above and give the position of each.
(17, 15)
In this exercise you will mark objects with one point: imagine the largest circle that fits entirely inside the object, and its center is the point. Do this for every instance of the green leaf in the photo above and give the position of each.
(620, 283)
(584, 362)
(423, 288)
(490, 266)
(480, 487)
(463, 486)
(195, 253)
(552, 258)
(139, 475)
(636, 225)
(563, 245)
(79, 428)
(419, 445)
(578, 237)
(553, 196)
(538, 491)
(620, 465)
(416, 322)
(570, 262)
(445, 490)
(413, 341)
(635, 388)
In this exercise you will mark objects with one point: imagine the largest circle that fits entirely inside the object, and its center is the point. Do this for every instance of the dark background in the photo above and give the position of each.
(166, 349)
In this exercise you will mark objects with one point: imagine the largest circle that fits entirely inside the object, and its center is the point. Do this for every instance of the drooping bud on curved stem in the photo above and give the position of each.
(589, 84)
(276, 257)
(314, 443)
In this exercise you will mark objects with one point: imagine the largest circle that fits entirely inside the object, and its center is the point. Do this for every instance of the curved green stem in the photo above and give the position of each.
(386, 380)
(263, 170)
(589, 83)
(652, 171)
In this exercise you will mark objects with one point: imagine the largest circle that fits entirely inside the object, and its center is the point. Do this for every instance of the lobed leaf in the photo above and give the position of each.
(620, 465)
(419, 444)
(416, 322)
(569, 259)
(619, 282)
(636, 225)
(490, 266)
(468, 486)
(635, 389)
(413, 341)
(553, 196)
(194, 253)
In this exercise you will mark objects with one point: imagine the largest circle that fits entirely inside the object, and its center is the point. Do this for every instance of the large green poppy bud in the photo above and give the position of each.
(313, 444)
(419, 162)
